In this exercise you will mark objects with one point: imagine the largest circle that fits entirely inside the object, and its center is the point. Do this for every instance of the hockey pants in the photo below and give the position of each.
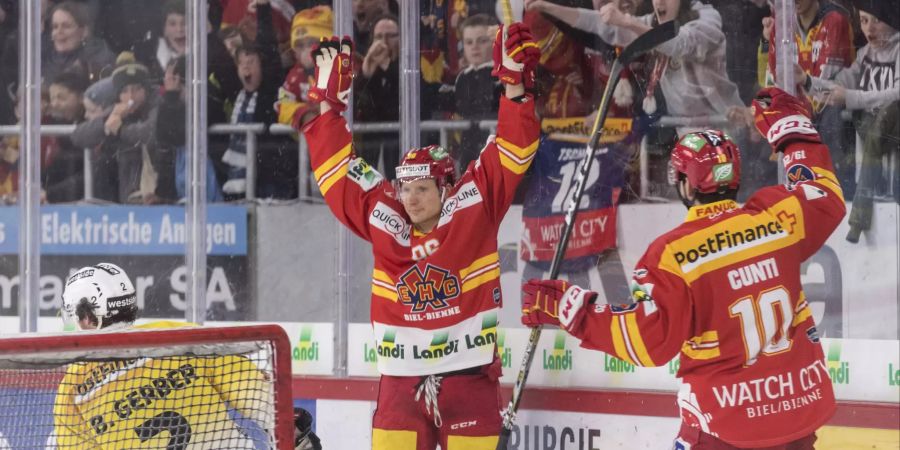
(457, 411)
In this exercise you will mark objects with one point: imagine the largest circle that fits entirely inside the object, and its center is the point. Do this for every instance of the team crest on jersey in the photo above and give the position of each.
(798, 173)
(432, 288)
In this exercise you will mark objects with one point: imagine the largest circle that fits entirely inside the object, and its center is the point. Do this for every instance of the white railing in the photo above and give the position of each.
(251, 132)
(309, 192)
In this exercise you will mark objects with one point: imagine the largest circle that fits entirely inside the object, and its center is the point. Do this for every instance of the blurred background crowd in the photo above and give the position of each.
(115, 69)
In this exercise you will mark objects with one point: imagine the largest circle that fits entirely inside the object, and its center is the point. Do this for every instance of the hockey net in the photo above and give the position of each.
(176, 389)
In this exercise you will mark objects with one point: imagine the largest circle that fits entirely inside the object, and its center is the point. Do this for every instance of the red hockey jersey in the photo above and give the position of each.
(435, 296)
(722, 291)
(293, 96)
(825, 48)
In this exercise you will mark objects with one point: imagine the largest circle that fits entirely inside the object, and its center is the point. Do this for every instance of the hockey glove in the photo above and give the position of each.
(782, 118)
(334, 72)
(516, 55)
(554, 302)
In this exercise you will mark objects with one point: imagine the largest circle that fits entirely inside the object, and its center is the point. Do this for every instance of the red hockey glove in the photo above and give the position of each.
(515, 55)
(334, 72)
(782, 118)
(554, 302)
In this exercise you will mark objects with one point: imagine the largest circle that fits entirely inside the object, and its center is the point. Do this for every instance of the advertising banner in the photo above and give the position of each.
(148, 242)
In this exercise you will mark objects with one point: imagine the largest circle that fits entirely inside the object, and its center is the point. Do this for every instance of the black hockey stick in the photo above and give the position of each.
(644, 43)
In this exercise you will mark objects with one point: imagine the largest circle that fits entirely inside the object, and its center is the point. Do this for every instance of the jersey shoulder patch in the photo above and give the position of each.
(363, 174)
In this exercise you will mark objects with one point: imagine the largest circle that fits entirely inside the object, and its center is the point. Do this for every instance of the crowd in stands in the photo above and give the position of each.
(118, 75)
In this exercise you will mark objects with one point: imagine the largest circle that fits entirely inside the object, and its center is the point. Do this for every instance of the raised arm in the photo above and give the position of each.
(819, 201)
(350, 186)
(504, 159)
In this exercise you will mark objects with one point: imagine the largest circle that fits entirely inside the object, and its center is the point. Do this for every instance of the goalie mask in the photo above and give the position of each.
(101, 294)
(709, 160)
(428, 162)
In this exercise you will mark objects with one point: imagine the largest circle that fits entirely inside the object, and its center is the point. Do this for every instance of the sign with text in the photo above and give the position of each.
(125, 230)
(148, 242)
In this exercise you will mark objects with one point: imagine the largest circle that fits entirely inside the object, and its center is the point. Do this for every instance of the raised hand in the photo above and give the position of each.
(780, 118)
(516, 55)
(334, 72)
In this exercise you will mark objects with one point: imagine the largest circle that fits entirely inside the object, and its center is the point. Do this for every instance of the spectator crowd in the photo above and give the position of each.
(116, 68)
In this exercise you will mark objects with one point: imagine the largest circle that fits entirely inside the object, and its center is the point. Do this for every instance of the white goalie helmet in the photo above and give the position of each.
(101, 293)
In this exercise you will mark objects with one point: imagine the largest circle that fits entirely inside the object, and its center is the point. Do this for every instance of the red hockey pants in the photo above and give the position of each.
(468, 412)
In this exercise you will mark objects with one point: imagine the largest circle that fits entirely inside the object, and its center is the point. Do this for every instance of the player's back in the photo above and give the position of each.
(149, 403)
(754, 352)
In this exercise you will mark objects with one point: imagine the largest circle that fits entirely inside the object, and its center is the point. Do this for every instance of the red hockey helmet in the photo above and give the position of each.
(710, 160)
(428, 162)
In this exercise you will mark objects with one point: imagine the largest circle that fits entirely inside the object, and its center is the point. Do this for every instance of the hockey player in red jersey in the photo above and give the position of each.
(722, 291)
(436, 280)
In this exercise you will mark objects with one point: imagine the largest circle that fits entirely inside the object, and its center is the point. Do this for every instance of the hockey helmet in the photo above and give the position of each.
(102, 292)
(432, 162)
(710, 160)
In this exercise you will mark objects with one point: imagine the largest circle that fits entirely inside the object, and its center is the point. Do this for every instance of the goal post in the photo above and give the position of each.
(180, 388)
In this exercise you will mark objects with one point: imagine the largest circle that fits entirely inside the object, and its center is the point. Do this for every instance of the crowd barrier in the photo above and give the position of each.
(308, 191)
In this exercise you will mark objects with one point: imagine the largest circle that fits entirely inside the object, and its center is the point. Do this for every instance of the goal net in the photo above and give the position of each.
(185, 388)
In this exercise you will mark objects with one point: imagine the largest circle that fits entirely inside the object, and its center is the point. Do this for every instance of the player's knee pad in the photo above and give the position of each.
(393, 439)
(472, 442)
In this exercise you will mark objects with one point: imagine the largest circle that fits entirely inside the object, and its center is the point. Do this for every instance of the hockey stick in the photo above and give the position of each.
(507, 13)
(644, 43)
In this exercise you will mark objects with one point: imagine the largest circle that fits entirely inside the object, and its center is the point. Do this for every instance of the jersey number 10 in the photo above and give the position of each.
(765, 321)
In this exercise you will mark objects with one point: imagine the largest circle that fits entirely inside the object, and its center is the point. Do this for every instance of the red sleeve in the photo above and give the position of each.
(504, 160)
(837, 42)
(820, 206)
(650, 331)
(350, 186)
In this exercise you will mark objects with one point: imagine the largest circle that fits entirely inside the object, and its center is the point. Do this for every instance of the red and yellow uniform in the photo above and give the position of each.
(722, 292)
(435, 296)
(293, 96)
(147, 403)
(827, 42)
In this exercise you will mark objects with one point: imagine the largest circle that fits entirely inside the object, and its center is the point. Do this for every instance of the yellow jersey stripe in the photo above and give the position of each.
(331, 162)
(706, 336)
(521, 152)
(388, 294)
(705, 346)
(700, 353)
(485, 260)
(380, 275)
(619, 341)
(515, 157)
(801, 316)
(333, 178)
(481, 279)
(826, 174)
(833, 187)
(511, 165)
(637, 342)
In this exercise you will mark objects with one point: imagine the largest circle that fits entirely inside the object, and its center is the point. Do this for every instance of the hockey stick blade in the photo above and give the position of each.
(639, 46)
(648, 41)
